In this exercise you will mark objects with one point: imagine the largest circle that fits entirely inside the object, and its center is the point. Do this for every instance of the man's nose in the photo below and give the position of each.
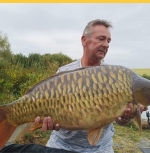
(106, 44)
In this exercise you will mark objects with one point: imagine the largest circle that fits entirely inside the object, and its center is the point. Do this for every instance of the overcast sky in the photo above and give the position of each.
(54, 28)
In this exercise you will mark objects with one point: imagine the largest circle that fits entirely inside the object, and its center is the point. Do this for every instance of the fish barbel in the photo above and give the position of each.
(86, 98)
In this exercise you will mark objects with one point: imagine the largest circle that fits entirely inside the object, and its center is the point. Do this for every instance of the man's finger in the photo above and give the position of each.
(57, 127)
(37, 120)
(127, 113)
(44, 125)
(145, 109)
(49, 123)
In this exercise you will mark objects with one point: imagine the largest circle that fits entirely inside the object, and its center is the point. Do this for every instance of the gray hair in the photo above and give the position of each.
(88, 29)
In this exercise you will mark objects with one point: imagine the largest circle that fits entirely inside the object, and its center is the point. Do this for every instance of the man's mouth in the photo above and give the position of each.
(102, 51)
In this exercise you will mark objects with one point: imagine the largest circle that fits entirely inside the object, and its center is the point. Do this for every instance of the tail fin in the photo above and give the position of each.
(6, 129)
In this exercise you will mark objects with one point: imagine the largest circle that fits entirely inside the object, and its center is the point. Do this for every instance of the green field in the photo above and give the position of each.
(142, 71)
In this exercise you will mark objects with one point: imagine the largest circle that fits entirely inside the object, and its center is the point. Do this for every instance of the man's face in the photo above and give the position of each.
(96, 45)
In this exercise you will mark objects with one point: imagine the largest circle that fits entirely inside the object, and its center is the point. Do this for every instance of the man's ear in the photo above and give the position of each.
(83, 40)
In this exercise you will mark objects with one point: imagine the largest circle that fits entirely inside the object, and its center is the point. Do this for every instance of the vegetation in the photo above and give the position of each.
(143, 71)
(127, 139)
(37, 137)
(18, 73)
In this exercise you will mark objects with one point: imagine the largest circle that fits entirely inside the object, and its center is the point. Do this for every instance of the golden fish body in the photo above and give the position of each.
(76, 99)
(86, 98)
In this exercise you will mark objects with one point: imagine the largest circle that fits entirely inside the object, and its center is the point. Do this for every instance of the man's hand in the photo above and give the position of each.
(47, 124)
(128, 114)
(142, 108)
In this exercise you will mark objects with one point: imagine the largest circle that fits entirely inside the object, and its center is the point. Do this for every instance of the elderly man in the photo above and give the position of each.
(95, 41)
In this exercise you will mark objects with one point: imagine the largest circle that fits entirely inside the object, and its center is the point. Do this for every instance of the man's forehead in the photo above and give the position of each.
(101, 30)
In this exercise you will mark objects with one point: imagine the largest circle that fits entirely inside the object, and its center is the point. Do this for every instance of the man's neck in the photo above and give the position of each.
(90, 62)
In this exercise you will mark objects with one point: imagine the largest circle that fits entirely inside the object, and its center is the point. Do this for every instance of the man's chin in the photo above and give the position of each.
(101, 57)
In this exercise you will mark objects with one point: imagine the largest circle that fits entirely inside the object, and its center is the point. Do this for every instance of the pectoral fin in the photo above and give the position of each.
(137, 119)
(36, 126)
(94, 135)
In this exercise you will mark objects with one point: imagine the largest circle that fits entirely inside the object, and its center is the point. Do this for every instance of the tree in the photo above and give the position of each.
(5, 49)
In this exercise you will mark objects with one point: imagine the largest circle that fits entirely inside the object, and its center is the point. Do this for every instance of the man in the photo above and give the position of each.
(95, 41)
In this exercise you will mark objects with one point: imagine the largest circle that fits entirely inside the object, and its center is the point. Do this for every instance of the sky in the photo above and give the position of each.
(54, 28)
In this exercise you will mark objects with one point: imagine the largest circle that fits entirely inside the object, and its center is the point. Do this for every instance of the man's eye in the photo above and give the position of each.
(100, 39)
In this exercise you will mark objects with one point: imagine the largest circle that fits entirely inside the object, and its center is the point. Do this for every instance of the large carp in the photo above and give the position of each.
(86, 98)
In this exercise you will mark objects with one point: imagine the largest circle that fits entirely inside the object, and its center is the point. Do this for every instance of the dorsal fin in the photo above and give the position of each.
(55, 75)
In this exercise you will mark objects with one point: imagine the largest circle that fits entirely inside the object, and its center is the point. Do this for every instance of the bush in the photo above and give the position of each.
(21, 73)
(146, 76)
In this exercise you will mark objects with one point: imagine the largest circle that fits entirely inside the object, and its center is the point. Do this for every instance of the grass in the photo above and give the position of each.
(142, 71)
(37, 137)
(127, 139)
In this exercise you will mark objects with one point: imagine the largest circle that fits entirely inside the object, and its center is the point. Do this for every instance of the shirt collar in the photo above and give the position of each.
(80, 65)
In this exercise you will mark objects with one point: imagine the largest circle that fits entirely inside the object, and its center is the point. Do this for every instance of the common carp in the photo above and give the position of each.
(86, 98)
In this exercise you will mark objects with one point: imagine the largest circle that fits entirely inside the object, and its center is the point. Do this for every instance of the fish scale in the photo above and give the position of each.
(86, 98)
